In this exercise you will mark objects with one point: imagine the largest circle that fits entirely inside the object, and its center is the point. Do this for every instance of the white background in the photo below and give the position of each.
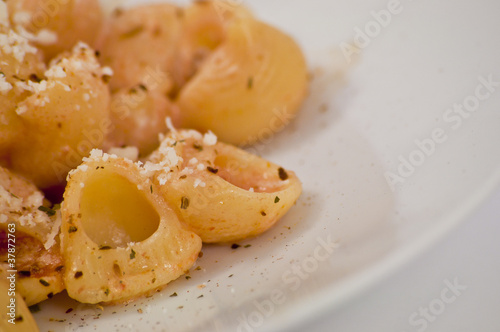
(470, 254)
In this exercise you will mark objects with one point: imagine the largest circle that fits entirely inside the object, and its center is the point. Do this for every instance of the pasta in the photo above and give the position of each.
(224, 71)
(119, 238)
(38, 257)
(19, 59)
(24, 321)
(256, 73)
(223, 193)
(88, 106)
(138, 115)
(56, 135)
(135, 43)
(56, 26)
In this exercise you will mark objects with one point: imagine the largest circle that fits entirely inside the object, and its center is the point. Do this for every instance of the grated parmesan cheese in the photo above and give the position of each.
(4, 17)
(55, 71)
(128, 152)
(200, 183)
(21, 109)
(46, 37)
(4, 85)
(15, 44)
(21, 18)
(209, 139)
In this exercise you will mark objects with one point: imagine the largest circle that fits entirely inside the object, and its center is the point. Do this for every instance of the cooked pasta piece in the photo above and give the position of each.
(120, 239)
(56, 26)
(65, 116)
(136, 45)
(222, 193)
(38, 261)
(204, 27)
(18, 61)
(249, 87)
(138, 116)
(16, 316)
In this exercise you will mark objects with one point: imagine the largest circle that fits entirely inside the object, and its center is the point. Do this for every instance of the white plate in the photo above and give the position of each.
(415, 65)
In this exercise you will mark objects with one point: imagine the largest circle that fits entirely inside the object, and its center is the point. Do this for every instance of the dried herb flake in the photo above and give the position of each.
(282, 174)
(45, 283)
(184, 203)
(50, 212)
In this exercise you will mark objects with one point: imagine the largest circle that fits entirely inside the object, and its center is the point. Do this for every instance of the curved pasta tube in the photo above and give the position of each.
(19, 62)
(136, 45)
(119, 237)
(138, 116)
(224, 193)
(204, 25)
(56, 26)
(66, 116)
(248, 87)
(20, 318)
(38, 261)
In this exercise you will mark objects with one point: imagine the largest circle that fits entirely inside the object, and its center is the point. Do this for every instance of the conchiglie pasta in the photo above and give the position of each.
(224, 193)
(19, 62)
(119, 237)
(204, 27)
(250, 85)
(137, 45)
(138, 116)
(65, 117)
(37, 257)
(56, 26)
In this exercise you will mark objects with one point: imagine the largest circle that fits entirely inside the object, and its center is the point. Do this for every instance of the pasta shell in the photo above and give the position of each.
(204, 27)
(138, 117)
(65, 116)
(57, 26)
(224, 193)
(119, 238)
(253, 83)
(19, 62)
(136, 44)
(37, 256)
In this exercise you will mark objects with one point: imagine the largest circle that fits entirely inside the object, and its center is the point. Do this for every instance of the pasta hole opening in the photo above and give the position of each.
(248, 174)
(115, 212)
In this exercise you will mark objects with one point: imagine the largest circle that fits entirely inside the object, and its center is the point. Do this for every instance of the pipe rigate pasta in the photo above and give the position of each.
(37, 256)
(223, 193)
(119, 238)
(65, 116)
(56, 26)
(251, 84)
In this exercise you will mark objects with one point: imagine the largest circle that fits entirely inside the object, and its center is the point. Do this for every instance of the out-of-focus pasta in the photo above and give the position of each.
(250, 85)
(19, 61)
(223, 193)
(17, 317)
(138, 115)
(65, 116)
(137, 44)
(204, 26)
(120, 239)
(128, 227)
(224, 70)
(56, 26)
(38, 260)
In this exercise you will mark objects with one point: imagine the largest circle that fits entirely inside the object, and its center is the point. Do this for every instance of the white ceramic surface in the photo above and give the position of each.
(364, 121)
